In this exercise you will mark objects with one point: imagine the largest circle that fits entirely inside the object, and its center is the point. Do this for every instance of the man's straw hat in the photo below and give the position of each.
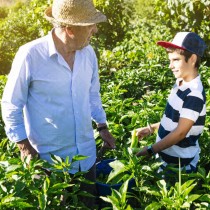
(74, 12)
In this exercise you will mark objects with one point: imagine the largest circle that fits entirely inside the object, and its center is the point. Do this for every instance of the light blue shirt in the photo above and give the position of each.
(51, 105)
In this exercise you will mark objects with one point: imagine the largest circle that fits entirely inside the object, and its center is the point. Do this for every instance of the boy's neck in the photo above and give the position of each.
(188, 80)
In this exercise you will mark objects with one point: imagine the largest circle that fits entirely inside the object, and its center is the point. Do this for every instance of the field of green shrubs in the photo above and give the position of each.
(135, 82)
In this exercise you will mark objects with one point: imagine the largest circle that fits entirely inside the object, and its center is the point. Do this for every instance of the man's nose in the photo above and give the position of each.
(95, 29)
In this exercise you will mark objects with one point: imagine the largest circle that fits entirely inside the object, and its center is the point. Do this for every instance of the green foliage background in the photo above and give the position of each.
(135, 82)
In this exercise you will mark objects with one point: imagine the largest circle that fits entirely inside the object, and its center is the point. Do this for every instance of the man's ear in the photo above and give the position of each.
(69, 31)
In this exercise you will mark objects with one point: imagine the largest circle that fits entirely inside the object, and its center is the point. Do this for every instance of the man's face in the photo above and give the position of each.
(179, 67)
(82, 35)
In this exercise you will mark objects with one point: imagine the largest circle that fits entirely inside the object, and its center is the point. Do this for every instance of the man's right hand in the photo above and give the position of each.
(26, 149)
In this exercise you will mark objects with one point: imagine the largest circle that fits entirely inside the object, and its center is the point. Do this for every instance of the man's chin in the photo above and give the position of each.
(83, 46)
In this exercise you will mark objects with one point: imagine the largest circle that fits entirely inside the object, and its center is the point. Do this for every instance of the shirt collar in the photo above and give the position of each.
(51, 44)
(193, 83)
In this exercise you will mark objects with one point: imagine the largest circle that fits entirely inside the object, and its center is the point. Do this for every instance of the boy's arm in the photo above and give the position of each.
(172, 138)
(175, 136)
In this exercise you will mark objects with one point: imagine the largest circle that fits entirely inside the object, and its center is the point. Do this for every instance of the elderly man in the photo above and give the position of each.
(52, 93)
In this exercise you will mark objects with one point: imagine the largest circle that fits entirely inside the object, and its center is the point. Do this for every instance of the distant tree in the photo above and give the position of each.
(186, 15)
(20, 26)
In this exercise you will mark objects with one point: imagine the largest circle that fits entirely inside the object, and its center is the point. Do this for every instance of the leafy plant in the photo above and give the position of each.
(118, 198)
(3, 80)
(20, 26)
(31, 186)
(175, 198)
(187, 15)
(118, 21)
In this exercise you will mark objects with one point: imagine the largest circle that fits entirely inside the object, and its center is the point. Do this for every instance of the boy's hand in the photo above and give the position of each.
(142, 132)
(146, 131)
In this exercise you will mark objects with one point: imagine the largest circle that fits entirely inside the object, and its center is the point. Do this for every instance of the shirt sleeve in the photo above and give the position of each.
(97, 111)
(15, 96)
(193, 106)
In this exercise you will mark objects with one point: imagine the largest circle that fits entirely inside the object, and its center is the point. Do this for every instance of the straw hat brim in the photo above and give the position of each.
(97, 17)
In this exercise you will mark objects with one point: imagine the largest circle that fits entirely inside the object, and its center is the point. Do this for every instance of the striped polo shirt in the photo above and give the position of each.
(186, 101)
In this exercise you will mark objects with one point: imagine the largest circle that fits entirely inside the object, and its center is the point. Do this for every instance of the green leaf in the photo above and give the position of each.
(3, 187)
(79, 157)
(108, 200)
(193, 197)
(128, 207)
(185, 205)
(59, 186)
(116, 196)
(205, 198)
(56, 159)
(134, 139)
(4, 163)
(11, 201)
(151, 192)
(42, 201)
(118, 168)
(162, 185)
(153, 206)
(123, 191)
(187, 187)
(46, 185)
(167, 200)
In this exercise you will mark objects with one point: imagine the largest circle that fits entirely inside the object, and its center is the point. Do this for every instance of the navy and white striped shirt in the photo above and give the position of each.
(185, 101)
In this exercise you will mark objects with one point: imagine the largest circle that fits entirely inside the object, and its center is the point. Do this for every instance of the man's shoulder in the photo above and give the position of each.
(89, 52)
(36, 43)
(89, 49)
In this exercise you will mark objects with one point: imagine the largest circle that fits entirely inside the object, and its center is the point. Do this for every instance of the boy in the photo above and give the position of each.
(184, 117)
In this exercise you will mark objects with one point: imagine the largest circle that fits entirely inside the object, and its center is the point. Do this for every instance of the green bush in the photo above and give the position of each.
(3, 80)
(20, 26)
(186, 15)
(139, 59)
(119, 13)
(27, 23)
(145, 9)
(3, 12)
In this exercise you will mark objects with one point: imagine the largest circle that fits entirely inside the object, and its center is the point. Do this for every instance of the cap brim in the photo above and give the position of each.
(98, 17)
(169, 44)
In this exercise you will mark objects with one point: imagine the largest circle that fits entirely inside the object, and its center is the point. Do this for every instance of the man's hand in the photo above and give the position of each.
(26, 149)
(109, 140)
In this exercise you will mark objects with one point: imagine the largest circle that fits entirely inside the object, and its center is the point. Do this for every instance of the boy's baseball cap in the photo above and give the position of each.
(189, 41)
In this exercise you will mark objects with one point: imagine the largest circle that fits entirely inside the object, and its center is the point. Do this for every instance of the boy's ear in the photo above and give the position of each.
(193, 58)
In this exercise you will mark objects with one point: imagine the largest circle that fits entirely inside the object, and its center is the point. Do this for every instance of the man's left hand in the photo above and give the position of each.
(109, 140)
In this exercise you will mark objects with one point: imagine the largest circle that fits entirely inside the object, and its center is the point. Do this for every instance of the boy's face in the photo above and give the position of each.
(181, 68)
